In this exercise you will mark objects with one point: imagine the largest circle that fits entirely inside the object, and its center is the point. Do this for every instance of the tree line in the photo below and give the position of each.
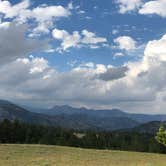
(22, 133)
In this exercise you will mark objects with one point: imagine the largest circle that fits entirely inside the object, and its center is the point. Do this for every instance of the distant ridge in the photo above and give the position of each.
(76, 118)
(102, 113)
(150, 128)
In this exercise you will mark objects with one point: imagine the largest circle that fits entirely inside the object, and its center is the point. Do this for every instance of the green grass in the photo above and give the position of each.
(40, 155)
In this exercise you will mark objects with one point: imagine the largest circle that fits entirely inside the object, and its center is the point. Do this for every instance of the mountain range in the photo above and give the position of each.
(80, 118)
(102, 113)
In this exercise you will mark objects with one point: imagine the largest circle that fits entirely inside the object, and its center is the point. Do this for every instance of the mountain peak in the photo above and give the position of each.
(4, 102)
(66, 107)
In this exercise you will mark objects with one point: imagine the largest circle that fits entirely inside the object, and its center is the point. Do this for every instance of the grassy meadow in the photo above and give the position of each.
(42, 155)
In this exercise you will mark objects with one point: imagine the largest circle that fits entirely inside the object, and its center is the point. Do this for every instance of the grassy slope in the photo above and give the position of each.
(36, 155)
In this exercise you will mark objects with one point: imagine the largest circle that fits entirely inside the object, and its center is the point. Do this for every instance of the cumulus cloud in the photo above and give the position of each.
(139, 83)
(45, 21)
(155, 50)
(14, 44)
(10, 10)
(154, 7)
(125, 43)
(146, 8)
(22, 12)
(68, 40)
(43, 24)
(91, 38)
(38, 65)
(128, 5)
(132, 86)
(47, 84)
(76, 39)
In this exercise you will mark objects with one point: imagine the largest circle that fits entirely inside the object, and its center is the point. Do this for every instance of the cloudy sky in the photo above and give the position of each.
(92, 53)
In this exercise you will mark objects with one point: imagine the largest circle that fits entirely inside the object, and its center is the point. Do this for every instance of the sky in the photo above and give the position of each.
(84, 53)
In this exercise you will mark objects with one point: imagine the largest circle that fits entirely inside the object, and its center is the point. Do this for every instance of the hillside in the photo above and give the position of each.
(12, 111)
(66, 110)
(79, 121)
(32, 155)
(150, 128)
(79, 118)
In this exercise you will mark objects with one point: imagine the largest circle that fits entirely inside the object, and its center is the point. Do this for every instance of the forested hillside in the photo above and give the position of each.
(17, 132)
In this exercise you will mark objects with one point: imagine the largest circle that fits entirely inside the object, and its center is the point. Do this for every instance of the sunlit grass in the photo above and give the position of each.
(40, 155)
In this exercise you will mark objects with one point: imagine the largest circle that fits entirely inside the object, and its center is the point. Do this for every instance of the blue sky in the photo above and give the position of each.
(100, 47)
(103, 18)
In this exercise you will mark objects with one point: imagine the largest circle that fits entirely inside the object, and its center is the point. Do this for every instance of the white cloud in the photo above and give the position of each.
(15, 10)
(70, 6)
(38, 65)
(76, 39)
(97, 83)
(4, 25)
(91, 38)
(118, 54)
(154, 7)
(115, 31)
(81, 12)
(88, 65)
(68, 40)
(22, 12)
(49, 13)
(33, 79)
(155, 50)
(139, 82)
(45, 21)
(59, 34)
(128, 5)
(125, 43)
(147, 8)
(40, 23)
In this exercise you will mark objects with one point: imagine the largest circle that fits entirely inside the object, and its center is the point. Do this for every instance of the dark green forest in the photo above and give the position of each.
(22, 133)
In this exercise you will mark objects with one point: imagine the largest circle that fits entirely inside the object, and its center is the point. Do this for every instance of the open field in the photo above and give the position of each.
(40, 155)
